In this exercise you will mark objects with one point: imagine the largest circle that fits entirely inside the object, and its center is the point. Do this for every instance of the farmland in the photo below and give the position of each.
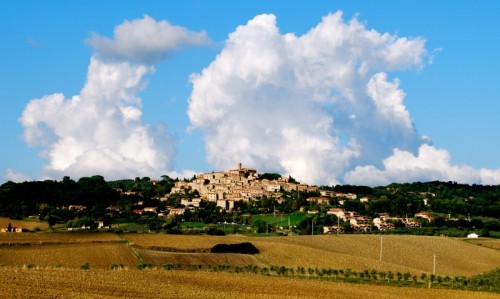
(357, 252)
(489, 243)
(50, 283)
(69, 256)
(29, 259)
(64, 250)
(15, 239)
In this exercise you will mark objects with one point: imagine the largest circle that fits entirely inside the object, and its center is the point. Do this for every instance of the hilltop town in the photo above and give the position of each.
(244, 184)
(227, 187)
(252, 203)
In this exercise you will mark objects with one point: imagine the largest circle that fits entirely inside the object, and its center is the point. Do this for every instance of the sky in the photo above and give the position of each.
(335, 92)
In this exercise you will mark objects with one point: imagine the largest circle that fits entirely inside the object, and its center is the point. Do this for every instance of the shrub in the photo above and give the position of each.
(85, 266)
(168, 266)
(244, 248)
(223, 267)
(214, 231)
(195, 267)
(390, 275)
(116, 266)
(143, 266)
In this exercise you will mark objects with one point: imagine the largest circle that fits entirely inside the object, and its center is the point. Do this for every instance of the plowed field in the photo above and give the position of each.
(50, 283)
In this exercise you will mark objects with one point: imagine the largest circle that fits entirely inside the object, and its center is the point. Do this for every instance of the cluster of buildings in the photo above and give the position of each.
(227, 187)
(13, 229)
(363, 223)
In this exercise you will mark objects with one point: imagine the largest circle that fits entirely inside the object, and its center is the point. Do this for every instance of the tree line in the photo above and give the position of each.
(456, 206)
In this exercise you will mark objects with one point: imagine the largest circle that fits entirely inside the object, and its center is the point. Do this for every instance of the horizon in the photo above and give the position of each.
(226, 170)
(345, 93)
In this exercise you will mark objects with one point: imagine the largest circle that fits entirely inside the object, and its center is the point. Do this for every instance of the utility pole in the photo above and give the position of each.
(381, 247)
(434, 265)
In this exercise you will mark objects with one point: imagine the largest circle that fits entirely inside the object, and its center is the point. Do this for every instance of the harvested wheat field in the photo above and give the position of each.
(358, 252)
(184, 242)
(68, 255)
(64, 249)
(66, 283)
(25, 239)
(203, 259)
(412, 254)
(486, 242)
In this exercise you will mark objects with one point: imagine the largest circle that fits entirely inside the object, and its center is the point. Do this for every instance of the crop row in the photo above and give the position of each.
(483, 282)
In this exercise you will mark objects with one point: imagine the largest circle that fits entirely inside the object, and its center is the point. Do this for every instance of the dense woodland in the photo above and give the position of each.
(456, 206)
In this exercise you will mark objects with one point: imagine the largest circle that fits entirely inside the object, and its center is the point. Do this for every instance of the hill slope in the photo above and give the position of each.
(414, 254)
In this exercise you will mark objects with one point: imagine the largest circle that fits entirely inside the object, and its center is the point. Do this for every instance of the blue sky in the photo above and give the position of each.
(451, 97)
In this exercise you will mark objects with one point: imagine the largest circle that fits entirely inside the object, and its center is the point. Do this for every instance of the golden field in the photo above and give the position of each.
(64, 249)
(488, 243)
(68, 283)
(47, 265)
(414, 254)
(203, 259)
(68, 255)
(17, 239)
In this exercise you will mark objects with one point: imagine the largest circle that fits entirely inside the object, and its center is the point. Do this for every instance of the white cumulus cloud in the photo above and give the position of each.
(429, 164)
(15, 176)
(100, 131)
(146, 40)
(313, 106)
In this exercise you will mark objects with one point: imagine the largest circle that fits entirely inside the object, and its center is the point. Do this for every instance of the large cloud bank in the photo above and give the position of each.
(100, 131)
(320, 106)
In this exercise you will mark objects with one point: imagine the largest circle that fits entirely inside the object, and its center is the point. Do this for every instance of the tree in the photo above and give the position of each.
(270, 176)
(432, 277)
(367, 273)
(440, 279)
(9, 228)
(51, 219)
(447, 279)
(336, 273)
